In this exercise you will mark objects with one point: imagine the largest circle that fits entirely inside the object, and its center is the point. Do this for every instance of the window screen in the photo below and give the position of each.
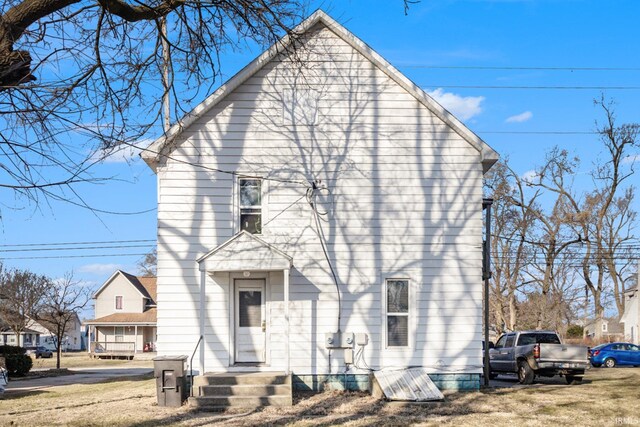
(251, 205)
(250, 309)
(397, 313)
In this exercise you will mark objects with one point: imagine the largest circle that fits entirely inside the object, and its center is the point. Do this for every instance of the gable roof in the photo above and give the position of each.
(244, 251)
(146, 286)
(163, 145)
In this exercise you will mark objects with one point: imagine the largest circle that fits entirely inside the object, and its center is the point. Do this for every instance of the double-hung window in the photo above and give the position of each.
(119, 302)
(251, 205)
(397, 312)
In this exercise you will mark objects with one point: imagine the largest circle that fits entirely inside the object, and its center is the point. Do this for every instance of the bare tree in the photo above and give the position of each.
(147, 267)
(510, 253)
(65, 298)
(77, 78)
(21, 297)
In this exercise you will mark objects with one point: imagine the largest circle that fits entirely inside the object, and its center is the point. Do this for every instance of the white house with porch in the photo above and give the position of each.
(320, 215)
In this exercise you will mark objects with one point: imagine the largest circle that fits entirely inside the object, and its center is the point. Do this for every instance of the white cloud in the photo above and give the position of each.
(631, 158)
(519, 118)
(463, 107)
(122, 153)
(529, 176)
(99, 268)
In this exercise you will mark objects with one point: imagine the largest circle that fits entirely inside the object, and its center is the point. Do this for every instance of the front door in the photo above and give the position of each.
(250, 325)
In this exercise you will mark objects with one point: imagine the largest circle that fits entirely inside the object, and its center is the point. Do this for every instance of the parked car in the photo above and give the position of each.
(612, 354)
(537, 353)
(39, 352)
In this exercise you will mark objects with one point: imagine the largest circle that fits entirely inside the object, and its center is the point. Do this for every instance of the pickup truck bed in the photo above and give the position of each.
(538, 353)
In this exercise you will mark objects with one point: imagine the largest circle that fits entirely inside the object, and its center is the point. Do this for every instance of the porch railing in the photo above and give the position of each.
(113, 347)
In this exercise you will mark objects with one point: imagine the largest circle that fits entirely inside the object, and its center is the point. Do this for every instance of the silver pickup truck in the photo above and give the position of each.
(537, 353)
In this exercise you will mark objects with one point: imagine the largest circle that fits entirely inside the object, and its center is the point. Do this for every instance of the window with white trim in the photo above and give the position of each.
(251, 205)
(118, 302)
(397, 312)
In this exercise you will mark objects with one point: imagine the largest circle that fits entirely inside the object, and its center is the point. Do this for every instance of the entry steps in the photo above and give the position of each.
(214, 391)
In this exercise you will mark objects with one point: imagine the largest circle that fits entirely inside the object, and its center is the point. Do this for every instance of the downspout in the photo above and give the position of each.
(486, 275)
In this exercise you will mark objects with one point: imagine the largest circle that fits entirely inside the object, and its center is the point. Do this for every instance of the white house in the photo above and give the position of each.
(631, 315)
(320, 214)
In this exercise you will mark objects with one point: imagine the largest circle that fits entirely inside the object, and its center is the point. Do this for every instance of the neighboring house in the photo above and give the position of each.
(71, 340)
(631, 315)
(320, 150)
(607, 329)
(125, 310)
(29, 337)
(37, 334)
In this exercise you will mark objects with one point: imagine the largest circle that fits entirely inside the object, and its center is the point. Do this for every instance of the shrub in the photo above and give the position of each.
(11, 349)
(18, 364)
(574, 331)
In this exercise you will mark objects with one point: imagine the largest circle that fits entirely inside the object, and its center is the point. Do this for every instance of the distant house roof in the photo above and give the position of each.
(146, 318)
(145, 285)
(613, 325)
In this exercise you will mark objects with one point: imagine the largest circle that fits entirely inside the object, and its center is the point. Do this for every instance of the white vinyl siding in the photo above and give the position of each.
(407, 193)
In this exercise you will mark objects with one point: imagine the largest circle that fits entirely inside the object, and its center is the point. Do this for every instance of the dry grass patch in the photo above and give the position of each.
(82, 360)
(606, 396)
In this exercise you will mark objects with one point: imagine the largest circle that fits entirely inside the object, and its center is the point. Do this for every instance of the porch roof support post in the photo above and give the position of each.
(203, 306)
(135, 340)
(286, 319)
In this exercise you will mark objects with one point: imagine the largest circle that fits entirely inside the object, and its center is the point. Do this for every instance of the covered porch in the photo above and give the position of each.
(244, 307)
(115, 338)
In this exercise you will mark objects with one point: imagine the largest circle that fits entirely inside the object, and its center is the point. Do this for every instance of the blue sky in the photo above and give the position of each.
(479, 34)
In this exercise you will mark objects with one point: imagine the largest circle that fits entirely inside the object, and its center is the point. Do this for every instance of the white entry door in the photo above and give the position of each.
(250, 322)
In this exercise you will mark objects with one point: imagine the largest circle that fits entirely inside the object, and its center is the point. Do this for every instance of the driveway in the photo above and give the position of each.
(80, 376)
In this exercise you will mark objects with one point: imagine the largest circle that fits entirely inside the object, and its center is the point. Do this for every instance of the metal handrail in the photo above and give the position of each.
(191, 365)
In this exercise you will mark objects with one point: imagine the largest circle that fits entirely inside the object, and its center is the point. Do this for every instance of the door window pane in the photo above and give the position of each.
(250, 309)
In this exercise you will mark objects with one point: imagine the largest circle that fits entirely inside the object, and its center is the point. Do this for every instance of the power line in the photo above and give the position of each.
(72, 256)
(74, 248)
(77, 243)
(516, 68)
(535, 87)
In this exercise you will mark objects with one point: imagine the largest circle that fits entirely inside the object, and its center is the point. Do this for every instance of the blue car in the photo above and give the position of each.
(616, 353)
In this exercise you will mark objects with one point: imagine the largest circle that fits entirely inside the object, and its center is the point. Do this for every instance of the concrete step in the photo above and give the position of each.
(245, 390)
(220, 402)
(242, 378)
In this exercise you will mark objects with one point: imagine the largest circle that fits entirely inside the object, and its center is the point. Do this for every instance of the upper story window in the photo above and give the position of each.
(397, 313)
(251, 205)
(604, 327)
(119, 302)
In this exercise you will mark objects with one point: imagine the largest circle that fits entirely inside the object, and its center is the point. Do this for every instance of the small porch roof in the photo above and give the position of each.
(245, 252)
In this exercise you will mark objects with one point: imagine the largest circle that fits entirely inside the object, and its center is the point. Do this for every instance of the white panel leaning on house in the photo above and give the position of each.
(398, 198)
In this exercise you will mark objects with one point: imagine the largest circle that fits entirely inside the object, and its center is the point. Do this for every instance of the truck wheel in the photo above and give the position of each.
(525, 373)
(610, 362)
(493, 375)
(573, 380)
